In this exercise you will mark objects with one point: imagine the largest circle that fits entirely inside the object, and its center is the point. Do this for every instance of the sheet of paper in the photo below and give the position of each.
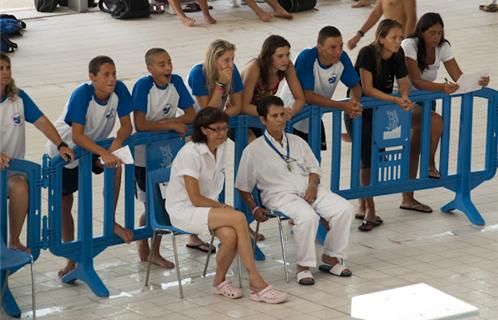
(470, 81)
(123, 153)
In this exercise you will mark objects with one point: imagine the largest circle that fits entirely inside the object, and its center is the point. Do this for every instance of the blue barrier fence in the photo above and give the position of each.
(389, 167)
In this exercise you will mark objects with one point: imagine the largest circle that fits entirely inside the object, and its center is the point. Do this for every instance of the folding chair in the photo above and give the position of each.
(10, 261)
(161, 224)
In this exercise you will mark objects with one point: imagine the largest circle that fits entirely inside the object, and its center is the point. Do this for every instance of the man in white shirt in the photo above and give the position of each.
(283, 167)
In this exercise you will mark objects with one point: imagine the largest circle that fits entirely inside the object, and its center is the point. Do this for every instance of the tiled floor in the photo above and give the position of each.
(442, 250)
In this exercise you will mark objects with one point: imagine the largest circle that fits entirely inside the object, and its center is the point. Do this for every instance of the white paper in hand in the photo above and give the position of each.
(124, 154)
(470, 82)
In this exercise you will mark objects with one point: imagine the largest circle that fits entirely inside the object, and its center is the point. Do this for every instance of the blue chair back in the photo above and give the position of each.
(158, 216)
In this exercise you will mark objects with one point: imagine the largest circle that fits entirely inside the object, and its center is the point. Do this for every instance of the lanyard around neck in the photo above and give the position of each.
(285, 158)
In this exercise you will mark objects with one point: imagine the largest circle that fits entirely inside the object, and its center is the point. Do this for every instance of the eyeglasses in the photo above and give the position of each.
(218, 130)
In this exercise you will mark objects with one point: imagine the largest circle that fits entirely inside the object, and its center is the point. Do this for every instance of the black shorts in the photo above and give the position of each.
(323, 138)
(366, 136)
(70, 176)
(141, 178)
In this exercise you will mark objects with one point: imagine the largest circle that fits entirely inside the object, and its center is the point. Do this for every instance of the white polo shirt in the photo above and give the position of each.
(159, 103)
(195, 160)
(13, 116)
(263, 167)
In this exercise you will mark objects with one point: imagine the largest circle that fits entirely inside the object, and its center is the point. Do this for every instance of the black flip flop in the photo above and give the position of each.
(194, 7)
(201, 247)
(378, 220)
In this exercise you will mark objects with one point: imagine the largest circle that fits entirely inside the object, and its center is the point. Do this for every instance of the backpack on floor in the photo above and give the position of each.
(91, 3)
(297, 5)
(9, 26)
(126, 9)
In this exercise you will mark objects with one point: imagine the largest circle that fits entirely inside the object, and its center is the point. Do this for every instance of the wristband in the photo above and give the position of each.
(219, 84)
(254, 210)
(361, 33)
(60, 145)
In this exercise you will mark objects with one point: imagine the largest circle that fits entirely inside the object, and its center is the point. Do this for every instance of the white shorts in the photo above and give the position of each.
(191, 219)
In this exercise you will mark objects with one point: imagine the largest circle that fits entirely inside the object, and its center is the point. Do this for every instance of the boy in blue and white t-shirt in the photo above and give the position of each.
(89, 116)
(319, 70)
(161, 102)
(16, 107)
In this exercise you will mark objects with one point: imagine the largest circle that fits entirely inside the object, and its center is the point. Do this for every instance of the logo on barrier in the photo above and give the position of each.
(167, 156)
(393, 128)
(110, 113)
(17, 119)
(333, 78)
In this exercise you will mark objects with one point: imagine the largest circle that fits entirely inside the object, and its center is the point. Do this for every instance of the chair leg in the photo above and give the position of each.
(208, 255)
(239, 266)
(33, 290)
(4, 286)
(255, 240)
(282, 245)
(177, 265)
(148, 261)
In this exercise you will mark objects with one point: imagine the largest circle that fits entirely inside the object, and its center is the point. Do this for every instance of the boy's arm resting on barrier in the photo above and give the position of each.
(258, 212)
(83, 141)
(123, 133)
(142, 124)
(47, 128)
(313, 98)
(4, 161)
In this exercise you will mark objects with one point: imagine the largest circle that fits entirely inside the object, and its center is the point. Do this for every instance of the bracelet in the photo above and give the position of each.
(60, 145)
(361, 33)
(254, 210)
(219, 84)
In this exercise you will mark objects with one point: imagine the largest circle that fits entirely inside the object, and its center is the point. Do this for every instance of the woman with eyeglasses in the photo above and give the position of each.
(197, 179)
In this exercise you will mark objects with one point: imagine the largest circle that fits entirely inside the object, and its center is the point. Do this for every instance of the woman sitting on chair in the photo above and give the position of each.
(197, 179)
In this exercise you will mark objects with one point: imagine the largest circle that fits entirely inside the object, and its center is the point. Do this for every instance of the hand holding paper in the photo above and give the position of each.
(124, 154)
(472, 81)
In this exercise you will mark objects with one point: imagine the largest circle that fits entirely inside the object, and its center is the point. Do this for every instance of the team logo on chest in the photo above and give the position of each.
(110, 113)
(333, 78)
(17, 119)
(167, 108)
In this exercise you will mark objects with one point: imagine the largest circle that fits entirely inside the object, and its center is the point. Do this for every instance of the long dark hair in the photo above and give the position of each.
(264, 59)
(385, 26)
(425, 22)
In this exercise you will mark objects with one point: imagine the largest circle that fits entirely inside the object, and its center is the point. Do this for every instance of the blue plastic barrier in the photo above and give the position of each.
(86, 246)
(32, 171)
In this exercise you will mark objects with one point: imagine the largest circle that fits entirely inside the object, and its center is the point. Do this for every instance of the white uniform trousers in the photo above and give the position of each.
(337, 211)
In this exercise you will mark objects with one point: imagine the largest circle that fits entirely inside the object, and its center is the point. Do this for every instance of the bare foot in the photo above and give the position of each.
(189, 22)
(209, 19)
(283, 14)
(143, 249)
(161, 262)
(361, 4)
(70, 266)
(17, 245)
(264, 16)
(125, 234)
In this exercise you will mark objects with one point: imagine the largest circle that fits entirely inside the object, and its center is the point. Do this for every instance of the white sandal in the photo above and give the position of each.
(305, 278)
(227, 289)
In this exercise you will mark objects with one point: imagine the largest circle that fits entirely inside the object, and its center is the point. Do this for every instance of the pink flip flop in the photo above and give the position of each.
(227, 289)
(269, 295)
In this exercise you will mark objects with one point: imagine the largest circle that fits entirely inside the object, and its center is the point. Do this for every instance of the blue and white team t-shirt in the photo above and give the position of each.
(198, 83)
(321, 79)
(159, 103)
(13, 115)
(97, 116)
